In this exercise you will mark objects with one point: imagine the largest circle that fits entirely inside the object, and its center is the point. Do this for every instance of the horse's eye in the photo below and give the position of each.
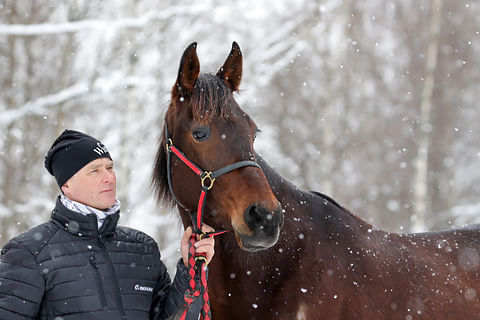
(201, 133)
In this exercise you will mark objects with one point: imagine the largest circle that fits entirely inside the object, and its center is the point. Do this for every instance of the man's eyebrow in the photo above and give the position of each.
(96, 166)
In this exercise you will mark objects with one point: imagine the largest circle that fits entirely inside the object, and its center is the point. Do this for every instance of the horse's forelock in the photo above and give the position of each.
(210, 96)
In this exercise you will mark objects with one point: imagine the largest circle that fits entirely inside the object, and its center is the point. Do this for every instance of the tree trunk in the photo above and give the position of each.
(420, 183)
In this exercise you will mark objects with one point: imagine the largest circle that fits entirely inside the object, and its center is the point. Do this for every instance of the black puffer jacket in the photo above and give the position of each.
(68, 269)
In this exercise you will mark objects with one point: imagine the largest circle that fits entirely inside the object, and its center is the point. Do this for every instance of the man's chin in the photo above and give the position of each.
(105, 200)
(108, 206)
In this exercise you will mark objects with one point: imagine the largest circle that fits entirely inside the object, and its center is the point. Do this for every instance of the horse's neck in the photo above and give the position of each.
(284, 190)
(322, 216)
(309, 220)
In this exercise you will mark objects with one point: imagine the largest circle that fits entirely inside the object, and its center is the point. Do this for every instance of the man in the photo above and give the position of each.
(80, 264)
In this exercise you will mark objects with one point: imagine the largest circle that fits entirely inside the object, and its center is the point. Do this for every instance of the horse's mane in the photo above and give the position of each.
(210, 96)
(159, 178)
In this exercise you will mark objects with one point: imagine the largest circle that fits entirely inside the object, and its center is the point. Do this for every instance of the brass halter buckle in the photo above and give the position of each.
(205, 178)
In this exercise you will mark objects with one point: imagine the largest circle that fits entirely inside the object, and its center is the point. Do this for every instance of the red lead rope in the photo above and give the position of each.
(197, 263)
(197, 286)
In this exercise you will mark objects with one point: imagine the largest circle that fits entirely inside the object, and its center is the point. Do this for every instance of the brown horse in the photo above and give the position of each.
(326, 263)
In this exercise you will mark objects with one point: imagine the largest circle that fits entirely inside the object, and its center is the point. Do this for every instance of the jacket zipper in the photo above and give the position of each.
(103, 300)
(101, 242)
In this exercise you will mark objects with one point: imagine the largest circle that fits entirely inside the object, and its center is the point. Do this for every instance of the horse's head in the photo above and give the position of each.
(205, 122)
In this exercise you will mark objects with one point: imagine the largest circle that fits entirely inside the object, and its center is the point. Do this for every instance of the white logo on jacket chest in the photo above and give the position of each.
(138, 287)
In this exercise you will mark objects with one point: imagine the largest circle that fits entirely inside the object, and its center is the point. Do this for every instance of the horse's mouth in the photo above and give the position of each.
(256, 243)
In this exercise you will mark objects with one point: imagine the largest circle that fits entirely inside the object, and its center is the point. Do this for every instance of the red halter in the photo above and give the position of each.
(197, 261)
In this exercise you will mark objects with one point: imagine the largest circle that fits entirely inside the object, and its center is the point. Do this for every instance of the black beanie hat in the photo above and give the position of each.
(70, 152)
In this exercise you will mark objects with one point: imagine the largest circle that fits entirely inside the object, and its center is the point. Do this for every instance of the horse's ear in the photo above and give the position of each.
(187, 73)
(231, 71)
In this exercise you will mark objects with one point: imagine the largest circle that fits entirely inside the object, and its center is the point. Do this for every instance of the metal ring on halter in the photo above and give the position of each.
(207, 175)
(169, 144)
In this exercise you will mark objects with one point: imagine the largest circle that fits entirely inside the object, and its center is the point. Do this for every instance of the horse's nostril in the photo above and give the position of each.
(258, 218)
(253, 217)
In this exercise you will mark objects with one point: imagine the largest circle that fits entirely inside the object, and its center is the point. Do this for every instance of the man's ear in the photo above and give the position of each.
(65, 188)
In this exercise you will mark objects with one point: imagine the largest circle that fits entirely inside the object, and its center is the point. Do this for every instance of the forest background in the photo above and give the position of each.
(374, 103)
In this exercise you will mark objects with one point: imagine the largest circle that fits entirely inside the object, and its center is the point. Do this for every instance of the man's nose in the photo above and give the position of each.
(108, 175)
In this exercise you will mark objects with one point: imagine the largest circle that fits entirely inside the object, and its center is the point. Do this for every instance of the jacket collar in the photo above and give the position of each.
(83, 225)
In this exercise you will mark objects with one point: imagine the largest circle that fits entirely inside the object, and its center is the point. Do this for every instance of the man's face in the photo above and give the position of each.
(93, 185)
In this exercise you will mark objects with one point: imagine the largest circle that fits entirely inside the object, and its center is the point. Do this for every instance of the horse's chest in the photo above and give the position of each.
(276, 296)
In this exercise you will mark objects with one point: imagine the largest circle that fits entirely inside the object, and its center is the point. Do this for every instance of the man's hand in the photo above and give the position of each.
(206, 245)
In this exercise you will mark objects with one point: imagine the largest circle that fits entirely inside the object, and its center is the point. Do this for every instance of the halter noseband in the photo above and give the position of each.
(207, 178)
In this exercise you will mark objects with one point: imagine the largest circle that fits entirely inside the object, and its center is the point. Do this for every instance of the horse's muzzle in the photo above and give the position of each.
(265, 227)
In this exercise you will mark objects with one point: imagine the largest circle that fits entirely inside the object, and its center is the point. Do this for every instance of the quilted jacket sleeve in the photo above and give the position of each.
(169, 296)
(21, 283)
